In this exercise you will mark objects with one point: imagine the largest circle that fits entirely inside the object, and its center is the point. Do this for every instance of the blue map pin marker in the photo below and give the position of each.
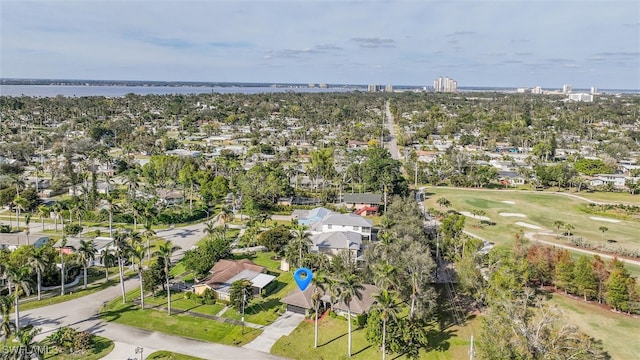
(303, 283)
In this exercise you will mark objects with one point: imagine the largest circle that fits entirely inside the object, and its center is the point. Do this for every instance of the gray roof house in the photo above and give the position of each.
(331, 243)
(300, 301)
(360, 200)
(344, 222)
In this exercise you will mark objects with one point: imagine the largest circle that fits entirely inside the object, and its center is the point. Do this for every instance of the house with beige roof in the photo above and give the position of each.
(225, 272)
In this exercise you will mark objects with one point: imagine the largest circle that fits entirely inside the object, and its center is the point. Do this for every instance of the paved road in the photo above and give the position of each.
(82, 313)
(392, 144)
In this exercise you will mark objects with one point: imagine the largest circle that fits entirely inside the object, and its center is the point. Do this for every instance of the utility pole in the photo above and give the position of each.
(244, 300)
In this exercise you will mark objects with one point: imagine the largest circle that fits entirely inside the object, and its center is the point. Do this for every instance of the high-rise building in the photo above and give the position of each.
(388, 88)
(445, 85)
(594, 90)
(566, 88)
(536, 90)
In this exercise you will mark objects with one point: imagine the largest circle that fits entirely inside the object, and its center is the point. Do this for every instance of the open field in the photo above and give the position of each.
(452, 343)
(541, 209)
(620, 334)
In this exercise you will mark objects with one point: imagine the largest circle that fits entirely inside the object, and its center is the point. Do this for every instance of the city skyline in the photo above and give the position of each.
(480, 43)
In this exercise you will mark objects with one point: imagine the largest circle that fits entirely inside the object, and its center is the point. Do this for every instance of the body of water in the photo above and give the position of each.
(122, 90)
(116, 91)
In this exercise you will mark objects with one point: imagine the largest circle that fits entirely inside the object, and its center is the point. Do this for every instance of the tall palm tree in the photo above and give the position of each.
(112, 207)
(63, 244)
(318, 281)
(121, 252)
(165, 251)
(350, 288)
(43, 211)
(388, 307)
(139, 252)
(299, 241)
(20, 278)
(86, 253)
(210, 228)
(6, 326)
(38, 260)
(148, 233)
(108, 260)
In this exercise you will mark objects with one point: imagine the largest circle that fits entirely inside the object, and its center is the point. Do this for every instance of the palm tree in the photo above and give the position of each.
(20, 278)
(350, 287)
(558, 224)
(386, 304)
(165, 251)
(384, 275)
(38, 261)
(122, 250)
(27, 221)
(210, 228)
(86, 253)
(6, 326)
(139, 253)
(63, 244)
(112, 206)
(299, 241)
(318, 281)
(108, 260)
(148, 233)
(43, 211)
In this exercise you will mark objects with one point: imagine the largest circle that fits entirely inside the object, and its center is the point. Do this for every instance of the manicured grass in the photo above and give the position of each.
(101, 348)
(74, 293)
(610, 197)
(541, 209)
(180, 325)
(619, 333)
(453, 343)
(168, 355)
(180, 302)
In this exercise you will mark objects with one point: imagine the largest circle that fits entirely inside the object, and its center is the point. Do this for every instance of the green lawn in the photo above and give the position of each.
(168, 355)
(452, 343)
(620, 334)
(610, 197)
(101, 348)
(73, 293)
(541, 209)
(180, 302)
(179, 325)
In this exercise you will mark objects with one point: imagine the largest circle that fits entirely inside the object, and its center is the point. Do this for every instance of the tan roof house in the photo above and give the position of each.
(301, 302)
(226, 272)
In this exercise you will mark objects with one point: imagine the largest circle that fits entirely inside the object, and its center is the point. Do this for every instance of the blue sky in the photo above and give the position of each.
(518, 43)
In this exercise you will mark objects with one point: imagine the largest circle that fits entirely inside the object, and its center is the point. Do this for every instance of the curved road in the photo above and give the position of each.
(82, 314)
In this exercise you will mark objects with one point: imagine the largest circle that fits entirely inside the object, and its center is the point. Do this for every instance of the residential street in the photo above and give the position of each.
(392, 144)
(82, 313)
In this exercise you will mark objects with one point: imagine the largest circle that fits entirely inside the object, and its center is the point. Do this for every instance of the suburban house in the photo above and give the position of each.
(618, 181)
(510, 178)
(361, 200)
(307, 217)
(101, 188)
(332, 243)
(344, 222)
(226, 272)
(301, 301)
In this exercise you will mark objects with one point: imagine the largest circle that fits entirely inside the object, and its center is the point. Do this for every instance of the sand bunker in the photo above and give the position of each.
(604, 219)
(528, 226)
(513, 215)
(508, 202)
(466, 213)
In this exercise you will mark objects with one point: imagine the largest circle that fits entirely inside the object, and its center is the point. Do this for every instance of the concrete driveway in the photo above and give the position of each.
(284, 325)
